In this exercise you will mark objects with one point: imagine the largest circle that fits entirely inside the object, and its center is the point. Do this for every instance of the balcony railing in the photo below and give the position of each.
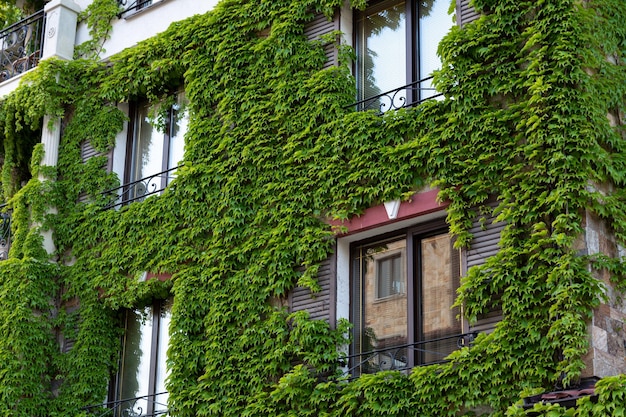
(5, 233)
(132, 6)
(145, 406)
(406, 96)
(140, 189)
(407, 356)
(21, 45)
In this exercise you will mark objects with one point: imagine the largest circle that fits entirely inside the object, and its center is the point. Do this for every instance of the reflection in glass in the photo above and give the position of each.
(148, 146)
(143, 369)
(154, 151)
(161, 372)
(434, 23)
(439, 272)
(386, 64)
(383, 311)
(381, 48)
(135, 370)
(178, 128)
(403, 290)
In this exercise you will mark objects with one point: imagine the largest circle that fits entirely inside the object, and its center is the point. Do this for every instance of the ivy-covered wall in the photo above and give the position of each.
(272, 154)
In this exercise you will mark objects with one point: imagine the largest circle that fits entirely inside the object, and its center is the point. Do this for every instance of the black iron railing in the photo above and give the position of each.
(5, 233)
(21, 45)
(405, 357)
(139, 189)
(146, 406)
(406, 96)
(131, 6)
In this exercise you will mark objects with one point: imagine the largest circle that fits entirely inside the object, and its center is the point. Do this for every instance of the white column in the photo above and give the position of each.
(59, 39)
(60, 29)
(50, 138)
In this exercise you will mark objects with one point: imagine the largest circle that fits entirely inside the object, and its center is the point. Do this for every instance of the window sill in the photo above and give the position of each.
(389, 298)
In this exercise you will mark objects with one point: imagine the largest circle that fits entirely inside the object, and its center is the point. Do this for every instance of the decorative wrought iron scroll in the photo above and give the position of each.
(21, 45)
(406, 96)
(140, 189)
(5, 234)
(405, 357)
(145, 406)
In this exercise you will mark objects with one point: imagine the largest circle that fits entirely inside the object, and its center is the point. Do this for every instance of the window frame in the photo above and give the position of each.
(413, 85)
(167, 169)
(412, 236)
(157, 350)
(392, 255)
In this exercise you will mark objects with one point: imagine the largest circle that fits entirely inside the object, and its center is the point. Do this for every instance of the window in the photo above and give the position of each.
(390, 276)
(403, 289)
(154, 153)
(396, 45)
(141, 380)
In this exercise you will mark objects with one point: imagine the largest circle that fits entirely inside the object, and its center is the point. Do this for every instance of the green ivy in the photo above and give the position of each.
(273, 153)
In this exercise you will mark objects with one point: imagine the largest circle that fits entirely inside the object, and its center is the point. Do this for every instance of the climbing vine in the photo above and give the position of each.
(273, 152)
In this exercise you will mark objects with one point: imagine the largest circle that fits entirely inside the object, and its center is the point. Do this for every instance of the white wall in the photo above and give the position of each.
(145, 23)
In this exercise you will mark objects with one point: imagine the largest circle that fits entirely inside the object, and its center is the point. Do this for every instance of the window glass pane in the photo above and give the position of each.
(390, 279)
(161, 362)
(439, 281)
(384, 319)
(434, 23)
(148, 147)
(178, 128)
(135, 370)
(381, 51)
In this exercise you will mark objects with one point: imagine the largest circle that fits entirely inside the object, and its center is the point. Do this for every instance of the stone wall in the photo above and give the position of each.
(607, 329)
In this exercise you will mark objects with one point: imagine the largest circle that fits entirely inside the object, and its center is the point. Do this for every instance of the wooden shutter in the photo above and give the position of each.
(484, 244)
(66, 342)
(87, 151)
(465, 12)
(320, 25)
(321, 305)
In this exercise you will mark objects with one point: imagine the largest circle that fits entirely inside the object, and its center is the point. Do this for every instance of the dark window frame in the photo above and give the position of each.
(119, 404)
(412, 237)
(416, 86)
(137, 186)
(129, 166)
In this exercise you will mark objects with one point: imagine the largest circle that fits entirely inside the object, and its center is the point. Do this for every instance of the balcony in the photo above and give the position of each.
(21, 45)
(138, 190)
(145, 406)
(407, 356)
(406, 96)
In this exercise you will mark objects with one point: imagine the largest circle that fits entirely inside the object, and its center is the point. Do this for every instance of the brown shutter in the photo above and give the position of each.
(320, 25)
(87, 151)
(321, 305)
(66, 343)
(484, 245)
(465, 12)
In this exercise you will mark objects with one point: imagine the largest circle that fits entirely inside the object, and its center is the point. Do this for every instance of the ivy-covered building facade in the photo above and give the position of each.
(313, 208)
